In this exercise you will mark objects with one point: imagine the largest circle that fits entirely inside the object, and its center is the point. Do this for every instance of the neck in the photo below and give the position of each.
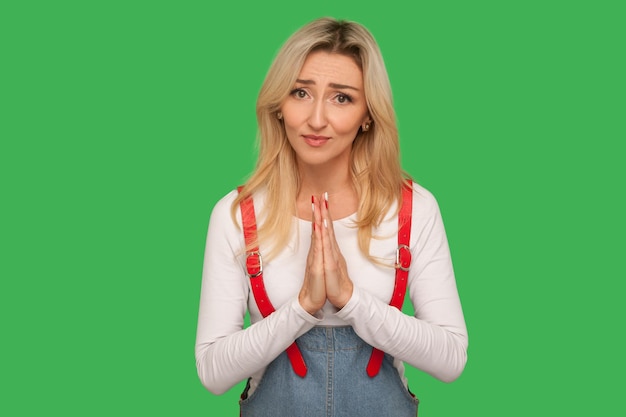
(317, 180)
(333, 178)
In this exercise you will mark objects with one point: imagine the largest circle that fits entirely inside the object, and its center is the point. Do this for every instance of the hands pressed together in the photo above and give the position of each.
(326, 274)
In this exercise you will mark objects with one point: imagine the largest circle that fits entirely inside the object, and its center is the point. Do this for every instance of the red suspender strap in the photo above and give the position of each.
(403, 262)
(254, 269)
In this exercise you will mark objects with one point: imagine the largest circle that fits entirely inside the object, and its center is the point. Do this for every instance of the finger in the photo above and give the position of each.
(316, 242)
(329, 244)
(313, 215)
(316, 217)
(329, 226)
(333, 273)
(315, 248)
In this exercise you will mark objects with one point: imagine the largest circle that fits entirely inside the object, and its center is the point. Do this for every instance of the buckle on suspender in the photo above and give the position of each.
(254, 264)
(403, 258)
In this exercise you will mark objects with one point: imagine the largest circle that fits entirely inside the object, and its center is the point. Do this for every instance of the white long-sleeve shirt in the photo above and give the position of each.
(434, 340)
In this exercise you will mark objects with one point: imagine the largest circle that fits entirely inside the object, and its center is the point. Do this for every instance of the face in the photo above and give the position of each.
(325, 109)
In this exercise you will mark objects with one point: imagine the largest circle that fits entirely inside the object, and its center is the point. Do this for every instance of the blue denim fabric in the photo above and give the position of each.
(336, 384)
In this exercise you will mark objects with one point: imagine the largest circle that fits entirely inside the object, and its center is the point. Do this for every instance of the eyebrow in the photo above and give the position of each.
(333, 85)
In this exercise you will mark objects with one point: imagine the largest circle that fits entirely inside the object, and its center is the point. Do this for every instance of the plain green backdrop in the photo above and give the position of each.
(123, 122)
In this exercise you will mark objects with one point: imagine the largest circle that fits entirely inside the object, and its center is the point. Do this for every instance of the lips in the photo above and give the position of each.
(315, 141)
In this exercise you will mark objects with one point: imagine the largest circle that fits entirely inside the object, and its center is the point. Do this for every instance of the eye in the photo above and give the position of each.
(299, 93)
(343, 98)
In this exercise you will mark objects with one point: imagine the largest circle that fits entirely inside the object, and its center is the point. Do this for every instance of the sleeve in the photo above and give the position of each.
(435, 340)
(225, 352)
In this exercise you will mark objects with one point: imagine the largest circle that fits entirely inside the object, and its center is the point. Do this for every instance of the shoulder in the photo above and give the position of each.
(222, 209)
(423, 197)
(424, 202)
(224, 204)
(423, 205)
(221, 220)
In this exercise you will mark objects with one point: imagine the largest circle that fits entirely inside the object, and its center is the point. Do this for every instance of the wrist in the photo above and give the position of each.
(346, 295)
(307, 306)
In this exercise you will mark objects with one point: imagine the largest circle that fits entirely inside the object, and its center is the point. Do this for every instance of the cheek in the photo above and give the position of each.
(347, 124)
(291, 127)
(292, 117)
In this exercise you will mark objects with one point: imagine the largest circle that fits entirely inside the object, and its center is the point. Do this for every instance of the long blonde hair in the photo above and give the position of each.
(375, 162)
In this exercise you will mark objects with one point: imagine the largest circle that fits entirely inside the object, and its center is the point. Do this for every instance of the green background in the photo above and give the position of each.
(122, 123)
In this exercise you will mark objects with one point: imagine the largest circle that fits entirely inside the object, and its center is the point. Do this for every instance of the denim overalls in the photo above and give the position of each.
(336, 384)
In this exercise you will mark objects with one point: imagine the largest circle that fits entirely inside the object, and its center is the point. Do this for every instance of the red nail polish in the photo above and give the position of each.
(312, 199)
(326, 203)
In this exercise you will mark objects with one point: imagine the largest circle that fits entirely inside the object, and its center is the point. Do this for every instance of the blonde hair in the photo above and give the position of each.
(375, 163)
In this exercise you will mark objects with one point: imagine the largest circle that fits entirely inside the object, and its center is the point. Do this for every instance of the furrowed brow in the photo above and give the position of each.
(333, 85)
(343, 86)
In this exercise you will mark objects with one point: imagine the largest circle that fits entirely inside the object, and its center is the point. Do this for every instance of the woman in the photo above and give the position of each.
(339, 233)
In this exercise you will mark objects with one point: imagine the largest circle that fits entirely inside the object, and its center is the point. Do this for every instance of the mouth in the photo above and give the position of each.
(315, 141)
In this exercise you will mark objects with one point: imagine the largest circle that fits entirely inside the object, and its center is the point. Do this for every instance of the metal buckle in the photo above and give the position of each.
(399, 264)
(260, 264)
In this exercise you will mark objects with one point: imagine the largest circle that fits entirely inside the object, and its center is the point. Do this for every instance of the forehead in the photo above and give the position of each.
(328, 67)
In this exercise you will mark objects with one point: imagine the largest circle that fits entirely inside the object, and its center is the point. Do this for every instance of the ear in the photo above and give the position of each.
(367, 123)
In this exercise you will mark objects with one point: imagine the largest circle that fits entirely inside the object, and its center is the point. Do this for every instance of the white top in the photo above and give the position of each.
(434, 340)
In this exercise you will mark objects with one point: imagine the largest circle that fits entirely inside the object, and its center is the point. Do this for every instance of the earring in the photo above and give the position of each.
(279, 116)
(366, 126)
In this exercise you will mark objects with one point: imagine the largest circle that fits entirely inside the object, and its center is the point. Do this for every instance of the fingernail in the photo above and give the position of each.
(326, 199)
(313, 226)
(325, 224)
(313, 204)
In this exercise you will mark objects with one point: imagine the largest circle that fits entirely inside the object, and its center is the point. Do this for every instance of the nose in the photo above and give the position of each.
(317, 118)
